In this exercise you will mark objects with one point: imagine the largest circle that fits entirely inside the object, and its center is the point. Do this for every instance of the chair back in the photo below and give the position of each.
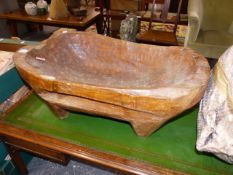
(124, 5)
(162, 17)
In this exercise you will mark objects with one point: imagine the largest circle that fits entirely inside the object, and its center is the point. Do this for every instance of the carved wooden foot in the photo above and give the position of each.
(58, 111)
(145, 128)
(143, 123)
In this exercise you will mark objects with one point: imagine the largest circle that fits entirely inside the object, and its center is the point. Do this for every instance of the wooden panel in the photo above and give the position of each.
(10, 47)
(90, 155)
(37, 149)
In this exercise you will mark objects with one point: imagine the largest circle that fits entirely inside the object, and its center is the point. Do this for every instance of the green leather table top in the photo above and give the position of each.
(172, 146)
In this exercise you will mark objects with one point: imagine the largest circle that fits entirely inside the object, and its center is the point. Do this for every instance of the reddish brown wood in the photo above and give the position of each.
(10, 47)
(142, 84)
(15, 145)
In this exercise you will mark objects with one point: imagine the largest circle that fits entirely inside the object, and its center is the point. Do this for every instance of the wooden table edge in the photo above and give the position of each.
(94, 17)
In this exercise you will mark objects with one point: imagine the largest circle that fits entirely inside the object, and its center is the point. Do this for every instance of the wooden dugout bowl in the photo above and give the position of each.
(143, 84)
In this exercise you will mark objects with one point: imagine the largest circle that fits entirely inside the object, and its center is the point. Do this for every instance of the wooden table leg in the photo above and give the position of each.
(41, 28)
(34, 27)
(17, 160)
(99, 24)
(13, 28)
(58, 111)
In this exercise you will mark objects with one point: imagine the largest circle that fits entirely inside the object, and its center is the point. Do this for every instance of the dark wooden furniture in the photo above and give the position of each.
(160, 37)
(113, 13)
(20, 16)
(175, 4)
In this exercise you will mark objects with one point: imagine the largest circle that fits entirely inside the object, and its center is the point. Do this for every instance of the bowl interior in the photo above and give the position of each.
(103, 61)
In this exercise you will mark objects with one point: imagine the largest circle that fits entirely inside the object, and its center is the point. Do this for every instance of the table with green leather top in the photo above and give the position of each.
(32, 127)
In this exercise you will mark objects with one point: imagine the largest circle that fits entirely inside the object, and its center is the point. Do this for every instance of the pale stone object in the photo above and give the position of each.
(215, 118)
(31, 8)
(129, 28)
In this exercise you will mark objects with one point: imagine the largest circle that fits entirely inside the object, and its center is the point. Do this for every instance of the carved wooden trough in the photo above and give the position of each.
(143, 84)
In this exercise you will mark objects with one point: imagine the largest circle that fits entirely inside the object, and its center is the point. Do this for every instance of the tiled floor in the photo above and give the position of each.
(39, 166)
